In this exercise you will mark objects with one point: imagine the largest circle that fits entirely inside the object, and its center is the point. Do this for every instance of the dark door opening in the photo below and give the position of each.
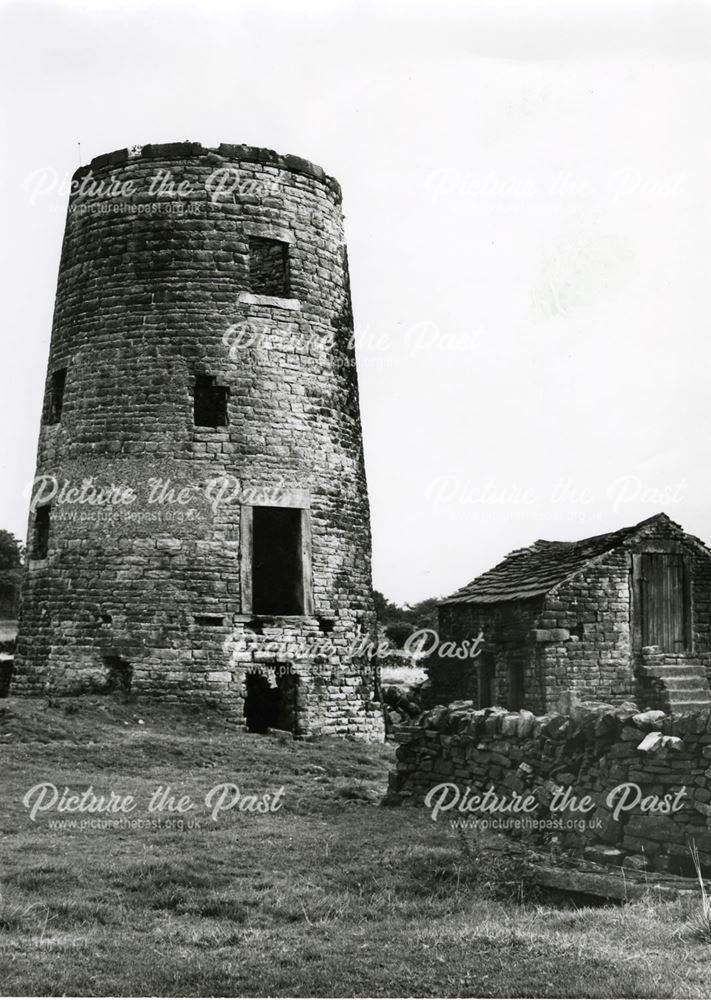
(261, 704)
(6, 668)
(277, 573)
(486, 679)
(665, 610)
(515, 687)
(269, 707)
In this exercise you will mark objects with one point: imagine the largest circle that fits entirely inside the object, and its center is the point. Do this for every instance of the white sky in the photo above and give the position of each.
(528, 217)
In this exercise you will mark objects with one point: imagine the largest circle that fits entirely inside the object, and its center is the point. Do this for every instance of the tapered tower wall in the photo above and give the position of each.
(200, 510)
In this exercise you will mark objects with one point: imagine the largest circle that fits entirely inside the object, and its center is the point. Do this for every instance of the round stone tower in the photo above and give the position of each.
(199, 524)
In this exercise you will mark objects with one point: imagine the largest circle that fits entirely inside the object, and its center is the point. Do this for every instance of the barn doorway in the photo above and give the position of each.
(487, 667)
(664, 601)
(516, 686)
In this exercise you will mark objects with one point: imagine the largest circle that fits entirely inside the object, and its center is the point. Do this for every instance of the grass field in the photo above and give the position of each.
(330, 895)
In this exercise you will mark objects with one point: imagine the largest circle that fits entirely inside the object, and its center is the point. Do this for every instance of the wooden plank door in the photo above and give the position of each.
(665, 612)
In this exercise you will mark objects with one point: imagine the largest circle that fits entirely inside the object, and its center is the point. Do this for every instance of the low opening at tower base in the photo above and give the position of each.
(272, 705)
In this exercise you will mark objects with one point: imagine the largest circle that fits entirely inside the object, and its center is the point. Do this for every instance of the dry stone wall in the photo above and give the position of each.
(597, 751)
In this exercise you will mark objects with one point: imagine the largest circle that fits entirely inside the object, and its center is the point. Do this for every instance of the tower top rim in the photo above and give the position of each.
(225, 152)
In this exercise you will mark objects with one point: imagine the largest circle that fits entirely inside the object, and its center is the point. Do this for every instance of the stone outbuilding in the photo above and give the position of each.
(620, 616)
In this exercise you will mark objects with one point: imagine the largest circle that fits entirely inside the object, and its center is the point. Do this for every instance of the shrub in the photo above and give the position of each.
(398, 632)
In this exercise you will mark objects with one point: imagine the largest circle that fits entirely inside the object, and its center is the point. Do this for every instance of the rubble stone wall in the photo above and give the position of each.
(595, 660)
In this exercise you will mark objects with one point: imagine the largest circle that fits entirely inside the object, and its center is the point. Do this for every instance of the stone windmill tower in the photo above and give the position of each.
(200, 526)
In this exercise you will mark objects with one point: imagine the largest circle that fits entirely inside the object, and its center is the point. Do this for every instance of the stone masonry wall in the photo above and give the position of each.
(594, 661)
(153, 291)
(591, 752)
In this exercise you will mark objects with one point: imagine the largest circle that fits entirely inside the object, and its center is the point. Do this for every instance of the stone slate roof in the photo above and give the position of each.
(539, 568)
